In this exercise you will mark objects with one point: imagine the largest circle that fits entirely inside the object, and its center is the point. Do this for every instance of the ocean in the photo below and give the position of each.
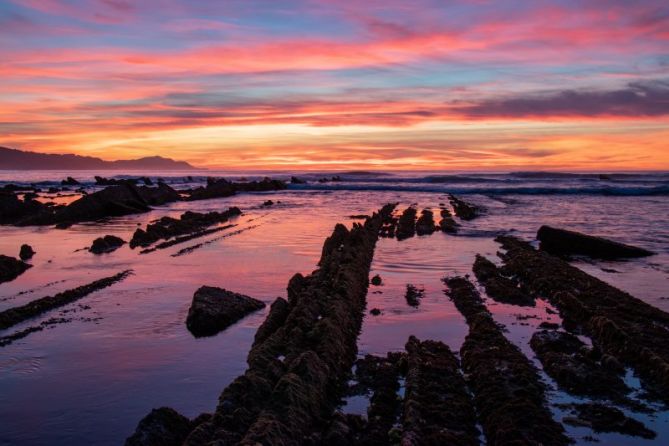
(125, 350)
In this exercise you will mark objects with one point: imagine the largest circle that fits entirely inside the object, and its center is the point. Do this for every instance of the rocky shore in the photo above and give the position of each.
(508, 392)
(303, 352)
(119, 198)
(620, 325)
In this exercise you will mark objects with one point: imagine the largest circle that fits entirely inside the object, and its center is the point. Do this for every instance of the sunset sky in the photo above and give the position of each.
(316, 84)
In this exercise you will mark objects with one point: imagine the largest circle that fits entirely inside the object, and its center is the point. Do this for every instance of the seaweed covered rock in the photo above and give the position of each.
(447, 224)
(425, 224)
(564, 242)
(406, 225)
(508, 392)
(619, 324)
(215, 309)
(105, 244)
(575, 367)
(499, 287)
(11, 268)
(437, 407)
(380, 377)
(602, 418)
(161, 427)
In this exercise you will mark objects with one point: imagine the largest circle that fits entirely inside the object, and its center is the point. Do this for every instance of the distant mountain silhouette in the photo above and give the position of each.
(12, 159)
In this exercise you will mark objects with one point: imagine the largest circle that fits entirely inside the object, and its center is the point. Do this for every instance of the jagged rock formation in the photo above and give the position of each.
(189, 222)
(620, 325)
(303, 352)
(508, 393)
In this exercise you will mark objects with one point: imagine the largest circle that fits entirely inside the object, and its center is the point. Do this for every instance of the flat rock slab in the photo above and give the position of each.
(564, 242)
(215, 309)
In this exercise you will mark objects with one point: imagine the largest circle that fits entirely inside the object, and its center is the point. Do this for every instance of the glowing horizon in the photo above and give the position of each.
(316, 84)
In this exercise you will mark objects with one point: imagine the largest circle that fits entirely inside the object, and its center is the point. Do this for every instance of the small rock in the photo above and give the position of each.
(376, 280)
(414, 295)
(375, 312)
(268, 203)
(108, 243)
(26, 252)
(161, 427)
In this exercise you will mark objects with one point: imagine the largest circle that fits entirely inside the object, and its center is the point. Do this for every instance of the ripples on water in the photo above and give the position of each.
(127, 350)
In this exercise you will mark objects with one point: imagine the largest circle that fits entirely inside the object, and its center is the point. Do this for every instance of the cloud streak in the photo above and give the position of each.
(321, 69)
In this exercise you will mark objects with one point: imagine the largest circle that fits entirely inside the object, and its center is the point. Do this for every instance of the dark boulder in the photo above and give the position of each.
(13, 210)
(564, 242)
(215, 188)
(69, 181)
(406, 225)
(447, 224)
(425, 224)
(113, 201)
(26, 252)
(376, 280)
(215, 309)
(108, 243)
(161, 427)
(11, 268)
(158, 195)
